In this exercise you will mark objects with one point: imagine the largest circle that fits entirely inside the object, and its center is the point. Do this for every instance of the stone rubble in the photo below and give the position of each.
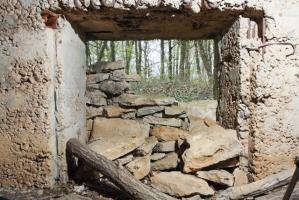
(156, 139)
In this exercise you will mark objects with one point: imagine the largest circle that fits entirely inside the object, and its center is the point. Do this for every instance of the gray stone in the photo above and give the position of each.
(96, 98)
(140, 167)
(125, 160)
(166, 133)
(165, 147)
(89, 124)
(131, 100)
(221, 177)
(174, 111)
(102, 66)
(147, 147)
(114, 137)
(96, 78)
(240, 177)
(148, 110)
(178, 184)
(92, 112)
(157, 156)
(115, 111)
(170, 161)
(113, 88)
(163, 121)
(210, 146)
(118, 75)
(131, 115)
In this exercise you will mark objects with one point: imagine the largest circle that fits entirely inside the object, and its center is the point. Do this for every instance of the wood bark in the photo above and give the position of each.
(162, 72)
(170, 64)
(197, 60)
(182, 60)
(117, 174)
(112, 49)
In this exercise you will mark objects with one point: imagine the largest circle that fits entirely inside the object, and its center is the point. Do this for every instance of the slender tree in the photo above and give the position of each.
(128, 55)
(162, 69)
(170, 65)
(197, 59)
(182, 60)
(112, 51)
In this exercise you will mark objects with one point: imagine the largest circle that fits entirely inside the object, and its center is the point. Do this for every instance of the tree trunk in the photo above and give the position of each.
(197, 58)
(182, 60)
(101, 51)
(117, 174)
(162, 72)
(187, 62)
(170, 65)
(112, 50)
(128, 55)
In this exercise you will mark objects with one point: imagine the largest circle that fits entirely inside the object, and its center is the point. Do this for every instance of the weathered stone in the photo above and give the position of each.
(160, 115)
(147, 147)
(96, 78)
(230, 163)
(118, 75)
(210, 146)
(174, 111)
(163, 121)
(165, 133)
(201, 108)
(125, 160)
(180, 185)
(113, 88)
(114, 138)
(168, 146)
(221, 177)
(92, 112)
(131, 115)
(170, 161)
(96, 98)
(157, 156)
(140, 167)
(94, 86)
(115, 111)
(138, 101)
(89, 123)
(196, 197)
(132, 78)
(148, 110)
(240, 177)
(102, 66)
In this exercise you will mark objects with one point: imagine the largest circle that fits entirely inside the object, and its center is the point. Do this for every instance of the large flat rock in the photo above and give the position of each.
(178, 184)
(210, 146)
(114, 138)
(131, 100)
(221, 177)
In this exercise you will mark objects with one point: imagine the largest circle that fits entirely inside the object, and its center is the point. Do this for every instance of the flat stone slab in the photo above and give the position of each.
(115, 111)
(178, 184)
(103, 66)
(114, 138)
(96, 78)
(163, 121)
(140, 167)
(221, 177)
(166, 133)
(170, 161)
(131, 100)
(96, 98)
(148, 110)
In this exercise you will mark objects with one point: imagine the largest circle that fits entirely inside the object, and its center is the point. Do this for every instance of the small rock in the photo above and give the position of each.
(170, 161)
(118, 75)
(165, 147)
(115, 111)
(130, 100)
(93, 86)
(147, 147)
(174, 111)
(240, 177)
(157, 156)
(124, 160)
(148, 110)
(140, 167)
(96, 98)
(160, 115)
(131, 115)
(79, 188)
(196, 197)
(96, 78)
(102, 66)
(113, 88)
(178, 184)
(89, 123)
(163, 121)
(165, 133)
(217, 176)
(92, 112)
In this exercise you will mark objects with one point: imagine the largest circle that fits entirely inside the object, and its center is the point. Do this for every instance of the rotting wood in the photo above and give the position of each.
(257, 188)
(117, 174)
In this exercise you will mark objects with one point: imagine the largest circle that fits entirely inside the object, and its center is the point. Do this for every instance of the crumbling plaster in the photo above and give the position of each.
(268, 77)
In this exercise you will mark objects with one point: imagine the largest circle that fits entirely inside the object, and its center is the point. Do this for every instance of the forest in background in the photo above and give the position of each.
(179, 68)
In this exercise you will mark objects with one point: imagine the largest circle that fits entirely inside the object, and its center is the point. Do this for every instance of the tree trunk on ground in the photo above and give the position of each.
(117, 174)
(170, 65)
(162, 70)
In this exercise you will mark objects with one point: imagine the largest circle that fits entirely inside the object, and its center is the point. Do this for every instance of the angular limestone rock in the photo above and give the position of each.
(165, 147)
(96, 78)
(148, 110)
(221, 177)
(163, 121)
(170, 161)
(210, 146)
(124, 160)
(178, 184)
(113, 88)
(157, 156)
(240, 177)
(165, 133)
(174, 111)
(115, 111)
(114, 138)
(131, 100)
(147, 147)
(92, 112)
(102, 66)
(140, 167)
(96, 98)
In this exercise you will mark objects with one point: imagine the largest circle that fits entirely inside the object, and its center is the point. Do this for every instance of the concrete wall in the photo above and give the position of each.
(42, 84)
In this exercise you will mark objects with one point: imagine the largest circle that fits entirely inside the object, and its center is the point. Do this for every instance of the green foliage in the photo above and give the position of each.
(197, 89)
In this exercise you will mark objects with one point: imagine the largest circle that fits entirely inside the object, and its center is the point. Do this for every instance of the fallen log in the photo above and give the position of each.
(117, 174)
(258, 187)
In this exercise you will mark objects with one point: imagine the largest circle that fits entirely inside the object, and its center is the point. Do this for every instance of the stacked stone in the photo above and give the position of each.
(156, 140)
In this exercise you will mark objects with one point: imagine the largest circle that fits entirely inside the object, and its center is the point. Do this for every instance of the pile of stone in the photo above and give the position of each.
(156, 140)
